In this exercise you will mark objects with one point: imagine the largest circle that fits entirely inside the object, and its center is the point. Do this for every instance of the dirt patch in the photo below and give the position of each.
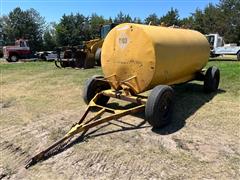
(123, 149)
(5, 173)
(7, 103)
(202, 142)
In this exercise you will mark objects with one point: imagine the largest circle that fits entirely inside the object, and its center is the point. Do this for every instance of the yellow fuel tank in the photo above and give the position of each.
(143, 56)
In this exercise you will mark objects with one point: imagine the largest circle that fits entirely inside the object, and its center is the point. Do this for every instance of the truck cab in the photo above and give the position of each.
(215, 41)
(104, 30)
(22, 43)
(218, 46)
(20, 50)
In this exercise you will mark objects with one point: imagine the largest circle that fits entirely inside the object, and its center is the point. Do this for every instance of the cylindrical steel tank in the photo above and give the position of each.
(143, 56)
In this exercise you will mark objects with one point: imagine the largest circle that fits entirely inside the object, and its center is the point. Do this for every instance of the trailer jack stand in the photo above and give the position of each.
(85, 124)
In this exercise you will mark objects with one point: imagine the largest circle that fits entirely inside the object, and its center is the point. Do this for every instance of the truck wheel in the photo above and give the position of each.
(238, 56)
(94, 86)
(13, 58)
(64, 63)
(159, 106)
(43, 57)
(212, 55)
(211, 79)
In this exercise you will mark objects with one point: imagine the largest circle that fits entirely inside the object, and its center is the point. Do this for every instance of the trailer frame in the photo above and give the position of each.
(84, 124)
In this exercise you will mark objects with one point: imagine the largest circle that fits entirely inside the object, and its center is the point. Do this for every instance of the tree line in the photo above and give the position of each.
(222, 18)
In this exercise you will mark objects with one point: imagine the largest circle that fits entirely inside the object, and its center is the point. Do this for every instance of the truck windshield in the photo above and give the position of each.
(210, 40)
(22, 44)
(104, 31)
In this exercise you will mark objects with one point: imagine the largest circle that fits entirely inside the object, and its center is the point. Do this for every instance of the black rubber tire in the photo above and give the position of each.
(94, 86)
(238, 56)
(10, 58)
(14, 60)
(1, 53)
(64, 64)
(211, 79)
(159, 106)
(43, 57)
(212, 55)
(98, 56)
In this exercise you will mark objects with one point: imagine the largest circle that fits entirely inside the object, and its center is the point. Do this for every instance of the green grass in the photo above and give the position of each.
(43, 98)
(19, 71)
(230, 76)
(46, 74)
(39, 87)
(33, 88)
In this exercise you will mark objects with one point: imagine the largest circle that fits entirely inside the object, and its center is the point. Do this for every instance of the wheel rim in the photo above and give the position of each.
(14, 58)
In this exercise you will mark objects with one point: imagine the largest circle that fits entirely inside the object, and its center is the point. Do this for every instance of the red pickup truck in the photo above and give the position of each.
(20, 50)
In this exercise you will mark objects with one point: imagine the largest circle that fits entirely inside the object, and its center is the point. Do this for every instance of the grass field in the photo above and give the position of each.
(40, 102)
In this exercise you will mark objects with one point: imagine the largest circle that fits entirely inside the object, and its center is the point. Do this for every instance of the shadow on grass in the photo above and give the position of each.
(225, 60)
(188, 99)
(125, 126)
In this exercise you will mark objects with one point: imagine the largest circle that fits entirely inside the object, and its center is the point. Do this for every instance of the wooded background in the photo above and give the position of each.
(223, 18)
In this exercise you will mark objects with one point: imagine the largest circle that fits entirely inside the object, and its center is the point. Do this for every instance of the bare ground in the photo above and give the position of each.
(202, 142)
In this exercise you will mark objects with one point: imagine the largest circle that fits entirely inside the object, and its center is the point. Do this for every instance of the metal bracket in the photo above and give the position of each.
(122, 83)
